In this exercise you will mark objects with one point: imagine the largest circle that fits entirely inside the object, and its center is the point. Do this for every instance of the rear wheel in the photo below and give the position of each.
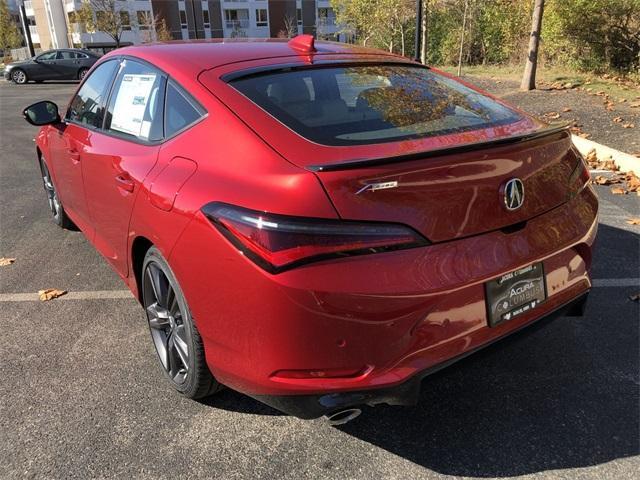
(175, 336)
(82, 72)
(57, 210)
(19, 76)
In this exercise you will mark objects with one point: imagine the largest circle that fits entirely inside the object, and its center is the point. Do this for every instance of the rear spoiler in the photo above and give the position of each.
(467, 147)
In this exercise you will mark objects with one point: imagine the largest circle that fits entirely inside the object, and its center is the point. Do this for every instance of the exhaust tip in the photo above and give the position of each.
(343, 416)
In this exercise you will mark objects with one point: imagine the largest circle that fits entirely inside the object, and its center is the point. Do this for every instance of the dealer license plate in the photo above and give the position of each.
(515, 294)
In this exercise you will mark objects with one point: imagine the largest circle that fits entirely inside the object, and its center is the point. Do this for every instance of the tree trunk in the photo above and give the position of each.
(423, 32)
(529, 77)
(464, 27)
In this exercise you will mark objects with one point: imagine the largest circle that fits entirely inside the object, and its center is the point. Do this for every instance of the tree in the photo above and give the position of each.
(162, 31)
(529, 77)
(104, 16)
(9, 34)
(423, 31)
(464, 27)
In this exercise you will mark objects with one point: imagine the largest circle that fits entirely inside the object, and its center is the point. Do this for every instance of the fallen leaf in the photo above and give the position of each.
(608, 164)
(634, 104)
(551, 115)
(618, 191)
(50, 293)
(635, 297)
(629, 125)
(566, 109)
(584, 135)
(633, 182)
(633, 221)
(618, 119)
(6, 261)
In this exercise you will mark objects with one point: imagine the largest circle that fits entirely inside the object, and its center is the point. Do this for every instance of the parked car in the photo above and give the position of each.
(67, 64)
(319, 226)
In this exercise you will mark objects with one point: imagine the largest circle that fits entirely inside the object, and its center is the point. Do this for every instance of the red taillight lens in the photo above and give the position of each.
(580, 176)
(278, 242)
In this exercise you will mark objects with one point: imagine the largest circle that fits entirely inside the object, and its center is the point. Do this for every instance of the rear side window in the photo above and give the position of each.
(87, 107)
(181, 110)
(136, 103)
(371, 103)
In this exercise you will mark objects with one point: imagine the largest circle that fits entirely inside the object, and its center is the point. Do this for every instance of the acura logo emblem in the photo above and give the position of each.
(513, 194)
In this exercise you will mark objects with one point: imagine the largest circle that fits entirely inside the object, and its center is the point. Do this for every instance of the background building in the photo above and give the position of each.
(55, 24)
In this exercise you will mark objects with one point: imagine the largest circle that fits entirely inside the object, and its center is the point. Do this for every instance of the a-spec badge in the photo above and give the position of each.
(372, 187)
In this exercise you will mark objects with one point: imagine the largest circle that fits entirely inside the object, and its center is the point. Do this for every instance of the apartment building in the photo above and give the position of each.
(53, 23)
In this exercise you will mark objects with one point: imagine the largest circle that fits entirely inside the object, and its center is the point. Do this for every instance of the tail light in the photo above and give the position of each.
(280, 242)
(579, 177)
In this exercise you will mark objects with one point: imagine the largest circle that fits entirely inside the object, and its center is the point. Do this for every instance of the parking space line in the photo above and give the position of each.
(83, 295)
(616, 282)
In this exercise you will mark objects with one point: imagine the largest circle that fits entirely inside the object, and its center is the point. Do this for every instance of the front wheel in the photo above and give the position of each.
(175, 336)
(57, 210)
(82, 72)
(19, 76)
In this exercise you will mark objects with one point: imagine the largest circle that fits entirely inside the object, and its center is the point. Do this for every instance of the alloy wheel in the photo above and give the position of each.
(52, 196)
(169, 332)
(19, 76)
(82, 73)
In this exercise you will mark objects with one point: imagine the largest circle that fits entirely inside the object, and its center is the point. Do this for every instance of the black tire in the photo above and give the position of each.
(172, 329)
(82, 72)
(60, 217)
(19, 76)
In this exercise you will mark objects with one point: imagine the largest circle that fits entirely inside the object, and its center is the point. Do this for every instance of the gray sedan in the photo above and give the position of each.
(67, 64)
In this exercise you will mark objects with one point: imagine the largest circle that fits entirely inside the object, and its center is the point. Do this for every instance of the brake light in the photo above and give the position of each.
(580, 176)
(279, 242)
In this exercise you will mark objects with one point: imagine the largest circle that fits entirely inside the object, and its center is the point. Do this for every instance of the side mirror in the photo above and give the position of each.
(42, 113)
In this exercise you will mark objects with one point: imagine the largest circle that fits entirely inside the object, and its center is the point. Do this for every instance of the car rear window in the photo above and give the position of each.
(351, 105)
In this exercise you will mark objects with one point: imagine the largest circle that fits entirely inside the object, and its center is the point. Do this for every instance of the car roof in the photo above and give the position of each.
(192, 57)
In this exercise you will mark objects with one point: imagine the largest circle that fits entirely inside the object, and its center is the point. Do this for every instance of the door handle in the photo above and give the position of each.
(125, 182)
(74, 154)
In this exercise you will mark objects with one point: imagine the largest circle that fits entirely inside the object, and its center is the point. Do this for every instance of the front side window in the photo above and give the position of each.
(47, 56)
(87, 107)
(371, 103)
(136, 103)
(180, 110)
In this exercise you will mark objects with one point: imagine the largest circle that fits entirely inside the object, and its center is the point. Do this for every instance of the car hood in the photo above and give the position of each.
(17, 64)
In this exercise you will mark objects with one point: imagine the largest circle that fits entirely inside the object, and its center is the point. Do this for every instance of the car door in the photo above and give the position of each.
(117, 160)
(68, 65)
(67, 140)
(44, 67)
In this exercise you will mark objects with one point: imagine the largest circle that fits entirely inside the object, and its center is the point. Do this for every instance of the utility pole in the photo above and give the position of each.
(464, 27)
(418, 30)
(529, 77)
(25, 29)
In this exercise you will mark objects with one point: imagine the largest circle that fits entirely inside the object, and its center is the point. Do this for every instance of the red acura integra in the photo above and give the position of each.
(316, 226)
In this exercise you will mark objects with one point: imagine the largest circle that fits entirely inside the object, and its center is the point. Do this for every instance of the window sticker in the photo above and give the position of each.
(131, 104)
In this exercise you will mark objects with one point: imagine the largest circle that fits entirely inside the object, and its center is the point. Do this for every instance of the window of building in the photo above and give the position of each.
(181, 110)
(183, 19)
(299, 15)
(205, 19)
(236, 18)
(327, 16)
(136, 104)
(144, 19)
(87, 107)
(262, 17)
(125, 20)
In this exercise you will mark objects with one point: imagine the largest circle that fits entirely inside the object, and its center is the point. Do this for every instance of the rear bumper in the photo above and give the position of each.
(406, 393)
(389, 318)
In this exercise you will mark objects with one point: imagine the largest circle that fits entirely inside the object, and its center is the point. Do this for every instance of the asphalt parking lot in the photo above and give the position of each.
(82, 396)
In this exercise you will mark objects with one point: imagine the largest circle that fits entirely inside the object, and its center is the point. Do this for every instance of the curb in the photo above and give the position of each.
(623, 161)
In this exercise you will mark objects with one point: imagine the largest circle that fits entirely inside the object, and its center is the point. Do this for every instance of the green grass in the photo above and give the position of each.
(623, 88)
